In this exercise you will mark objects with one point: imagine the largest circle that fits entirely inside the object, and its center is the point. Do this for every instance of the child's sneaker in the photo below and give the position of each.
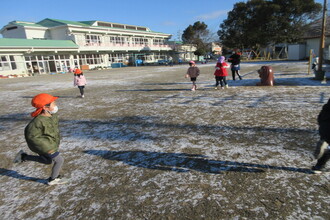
(317, 169)
(321, 146)
(19, 158)
(82, 96)
(226, 86)
(222, 87)
(57, 181)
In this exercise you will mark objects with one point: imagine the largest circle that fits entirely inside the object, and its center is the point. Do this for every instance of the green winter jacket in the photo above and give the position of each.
(42, 134)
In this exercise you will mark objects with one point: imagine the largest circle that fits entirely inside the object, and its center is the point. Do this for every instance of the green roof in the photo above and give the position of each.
(14, 42)
(90, 23)
(56, 22)
(49, 23)
(24, 23)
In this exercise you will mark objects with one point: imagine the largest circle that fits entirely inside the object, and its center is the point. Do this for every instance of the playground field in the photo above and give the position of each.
(141, 145)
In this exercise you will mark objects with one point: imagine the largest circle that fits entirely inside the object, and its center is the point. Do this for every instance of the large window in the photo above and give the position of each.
(118, 40)
(7, 63)
(160, 56)
(118, 58)
(90, 59)
(140, 40)
(4, 63)
(93, 39)
(48, 63)
(13, 63)
(158, 41)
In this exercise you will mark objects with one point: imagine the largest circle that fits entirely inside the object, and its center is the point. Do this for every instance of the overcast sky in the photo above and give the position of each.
(171, 16)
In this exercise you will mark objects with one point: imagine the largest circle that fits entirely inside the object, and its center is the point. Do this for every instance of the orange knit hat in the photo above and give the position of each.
(78, 71)
(40, 101)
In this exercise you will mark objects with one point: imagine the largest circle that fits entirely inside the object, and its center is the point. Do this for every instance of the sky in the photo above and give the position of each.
(171, 16)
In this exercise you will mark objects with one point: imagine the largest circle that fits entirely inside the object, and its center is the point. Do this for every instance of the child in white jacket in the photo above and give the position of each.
(80, 81)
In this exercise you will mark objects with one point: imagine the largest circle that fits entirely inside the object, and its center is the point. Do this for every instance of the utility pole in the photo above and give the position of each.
(321, 73)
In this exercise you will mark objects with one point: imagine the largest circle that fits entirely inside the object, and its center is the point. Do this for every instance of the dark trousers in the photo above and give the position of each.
(220, 79)
(324, 159)
(81, 89)
(48, 159)
(234, 72)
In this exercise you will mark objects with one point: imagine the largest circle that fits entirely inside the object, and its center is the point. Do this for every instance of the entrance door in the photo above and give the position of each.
(52, 66)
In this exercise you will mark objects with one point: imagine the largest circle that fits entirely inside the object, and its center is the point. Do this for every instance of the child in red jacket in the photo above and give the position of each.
(221, 73)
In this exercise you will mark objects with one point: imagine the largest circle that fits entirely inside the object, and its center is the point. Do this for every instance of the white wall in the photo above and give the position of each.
(14, 33)
(313, 44)
(296, 52)
(32, 33)
(20, 65)
(59, 34)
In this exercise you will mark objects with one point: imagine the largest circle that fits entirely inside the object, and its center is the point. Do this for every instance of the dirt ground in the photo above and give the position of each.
(141, 145)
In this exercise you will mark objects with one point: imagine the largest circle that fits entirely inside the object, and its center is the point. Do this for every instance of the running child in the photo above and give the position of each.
(235, 60)
(322, 151)
(193, 72)
(80, 81)
(43, 137)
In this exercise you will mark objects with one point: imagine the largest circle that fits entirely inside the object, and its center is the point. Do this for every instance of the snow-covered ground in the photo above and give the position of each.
(141, 145)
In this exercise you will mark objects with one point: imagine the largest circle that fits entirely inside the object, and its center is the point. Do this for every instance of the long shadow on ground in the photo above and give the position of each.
(15, 174)
(182, 162)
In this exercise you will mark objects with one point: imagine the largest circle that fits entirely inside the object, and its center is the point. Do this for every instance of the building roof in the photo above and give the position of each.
(14, 42)
(24, 23)
(48, 22)
(51, 23)
(314, 29)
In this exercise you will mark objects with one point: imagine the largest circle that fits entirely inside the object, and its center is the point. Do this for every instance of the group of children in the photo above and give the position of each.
(220, 71)
(42, 134)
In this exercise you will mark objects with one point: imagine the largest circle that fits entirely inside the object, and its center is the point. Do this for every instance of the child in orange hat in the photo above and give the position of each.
(80, 81)
(43, 136)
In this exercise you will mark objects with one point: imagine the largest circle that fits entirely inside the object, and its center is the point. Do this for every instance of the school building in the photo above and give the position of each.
(52, 45)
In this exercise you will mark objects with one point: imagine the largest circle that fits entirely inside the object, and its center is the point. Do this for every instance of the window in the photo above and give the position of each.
(118, 58)
(4, 63)
(13, 63)
(118, 26)
(158, 41)
(93, 39)
(11, 28)
(104, 24)
(118, 40)
(90, 59)
(160, 56)
(131, 27)
(141, 29)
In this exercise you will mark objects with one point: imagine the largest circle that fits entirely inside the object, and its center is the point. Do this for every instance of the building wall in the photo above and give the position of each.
(296, 52)
(312, 44)
(19, 32)
(36, 34)
(59, 34)
(12, 63)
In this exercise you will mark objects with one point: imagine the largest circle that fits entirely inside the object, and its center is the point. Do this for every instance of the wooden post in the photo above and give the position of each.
(310, 60)
(320, 72)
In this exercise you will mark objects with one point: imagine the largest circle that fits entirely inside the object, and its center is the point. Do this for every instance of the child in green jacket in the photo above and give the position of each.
(43, 136)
